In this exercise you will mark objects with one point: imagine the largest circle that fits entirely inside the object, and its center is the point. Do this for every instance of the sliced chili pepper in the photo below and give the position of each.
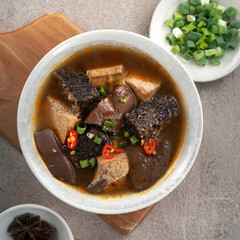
(107, 149)
(109, 113)
(72, 140)
(149, 146)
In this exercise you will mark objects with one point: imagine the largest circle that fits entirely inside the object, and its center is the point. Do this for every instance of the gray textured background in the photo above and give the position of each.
(206, 204)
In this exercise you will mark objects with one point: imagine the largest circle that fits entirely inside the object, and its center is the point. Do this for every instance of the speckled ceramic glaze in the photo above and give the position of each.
(63, 231)
(129, 202)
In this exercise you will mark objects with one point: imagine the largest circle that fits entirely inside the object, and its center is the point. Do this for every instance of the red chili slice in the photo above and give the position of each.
(107, 149)
(149, 146)
(72, 140)
(109, 113)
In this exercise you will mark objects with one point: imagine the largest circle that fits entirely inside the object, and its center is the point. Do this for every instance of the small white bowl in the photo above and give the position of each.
(123, 203)
(159, 31)
(62, 232)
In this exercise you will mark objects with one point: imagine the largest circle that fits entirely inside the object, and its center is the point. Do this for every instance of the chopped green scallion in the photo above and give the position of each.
(125, 134)
(180, 41)
(210, 52)
(108, 124)
(171, 38)
(169, 23)
(208, 6)
(223, 30)
(92, 161)
(202, 61)
(231, 45)
(192, 10)
(97, 140)
(101, 91)
(203, 45)
(134, 140)
(84, 163)
(184, 8)
(220, 52)
(191, 44)
(235, 24)
(231, 12)
(233, 33)
(177, 16)
(213, 12)
(198, 55)
(220, 42)
(81, 128)
(202, 30)
(215, 61)
(215, 29)
(195, 2)
(187, 55)
(201, 24)
(176, 49)
(194, 36)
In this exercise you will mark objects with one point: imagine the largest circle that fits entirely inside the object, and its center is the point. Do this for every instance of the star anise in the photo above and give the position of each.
(31, 228)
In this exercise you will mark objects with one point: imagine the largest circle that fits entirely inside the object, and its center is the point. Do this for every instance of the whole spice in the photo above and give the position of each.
(30, 227)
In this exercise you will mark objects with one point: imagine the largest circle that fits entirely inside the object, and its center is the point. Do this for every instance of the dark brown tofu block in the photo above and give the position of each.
(149, 118)
(78, 90)
(52, 154)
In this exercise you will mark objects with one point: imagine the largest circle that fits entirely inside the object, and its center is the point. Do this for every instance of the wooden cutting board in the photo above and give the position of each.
(20, 51)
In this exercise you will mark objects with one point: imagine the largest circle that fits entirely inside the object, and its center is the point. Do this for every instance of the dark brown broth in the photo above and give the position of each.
(136, 64)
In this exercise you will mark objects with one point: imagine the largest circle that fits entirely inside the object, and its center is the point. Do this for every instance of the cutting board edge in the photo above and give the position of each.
(52, 14)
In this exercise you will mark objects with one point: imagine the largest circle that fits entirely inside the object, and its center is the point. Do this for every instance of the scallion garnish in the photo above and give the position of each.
(125, 134)
(81, 128)
(92, 161)
(84, 163)
(97, 140)
(200, 27)
(108, 124)
(102, 91)
(134, 140)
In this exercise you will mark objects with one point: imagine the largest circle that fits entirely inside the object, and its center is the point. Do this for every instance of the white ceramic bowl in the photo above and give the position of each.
(159, 31)
(63, 231)
(114, 204)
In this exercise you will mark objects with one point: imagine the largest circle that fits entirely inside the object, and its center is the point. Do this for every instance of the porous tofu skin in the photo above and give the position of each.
(112, 169)
(144, 90)
(62, 118)
(108, 78)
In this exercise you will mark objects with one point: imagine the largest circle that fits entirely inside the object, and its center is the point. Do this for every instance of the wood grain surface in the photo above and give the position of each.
(20, 51)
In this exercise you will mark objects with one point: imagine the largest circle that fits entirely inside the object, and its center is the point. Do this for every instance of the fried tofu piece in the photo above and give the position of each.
(144, 90)
(108, 78)
(109, 171)
(62, 118)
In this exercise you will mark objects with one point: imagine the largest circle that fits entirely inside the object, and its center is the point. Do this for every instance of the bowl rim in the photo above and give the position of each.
(212, 73)
(102, 207)
(41, 208)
